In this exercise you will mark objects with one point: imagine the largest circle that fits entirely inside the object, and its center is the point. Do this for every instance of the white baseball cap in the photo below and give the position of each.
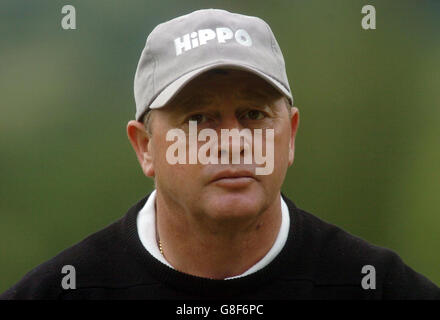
(179, 50)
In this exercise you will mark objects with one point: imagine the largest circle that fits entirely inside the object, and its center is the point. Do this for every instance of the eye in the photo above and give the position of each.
(254, 115)
(199, 118)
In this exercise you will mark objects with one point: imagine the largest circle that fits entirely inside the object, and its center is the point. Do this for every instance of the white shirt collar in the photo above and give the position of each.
(146, 227)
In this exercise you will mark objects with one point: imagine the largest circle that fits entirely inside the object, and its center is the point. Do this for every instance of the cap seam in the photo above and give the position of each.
(154, 70)
(272, 45)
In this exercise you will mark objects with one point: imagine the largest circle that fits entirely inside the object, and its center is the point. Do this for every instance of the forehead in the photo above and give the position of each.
(224, 85)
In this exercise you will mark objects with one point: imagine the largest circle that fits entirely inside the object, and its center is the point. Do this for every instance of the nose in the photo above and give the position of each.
(234, 140)
(230, 121)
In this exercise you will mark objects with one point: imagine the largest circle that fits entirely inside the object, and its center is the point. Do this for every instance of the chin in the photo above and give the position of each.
(235, 204)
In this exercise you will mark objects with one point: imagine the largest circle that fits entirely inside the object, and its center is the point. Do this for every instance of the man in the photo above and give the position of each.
(215, 128)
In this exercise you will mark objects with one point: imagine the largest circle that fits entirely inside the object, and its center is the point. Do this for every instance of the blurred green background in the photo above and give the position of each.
(367, 153)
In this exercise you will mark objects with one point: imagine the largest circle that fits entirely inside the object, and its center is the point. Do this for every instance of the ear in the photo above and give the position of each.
(294, 123)
(142, 145)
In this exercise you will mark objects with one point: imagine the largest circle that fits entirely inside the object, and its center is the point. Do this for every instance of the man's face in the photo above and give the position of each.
(222, 100)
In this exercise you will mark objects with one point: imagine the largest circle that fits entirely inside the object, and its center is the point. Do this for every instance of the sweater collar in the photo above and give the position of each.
(204, 287)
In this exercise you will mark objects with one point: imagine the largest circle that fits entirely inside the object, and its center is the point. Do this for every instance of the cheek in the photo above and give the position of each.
(282, 141)
(281, 150)
(162, 165)
(169, 173)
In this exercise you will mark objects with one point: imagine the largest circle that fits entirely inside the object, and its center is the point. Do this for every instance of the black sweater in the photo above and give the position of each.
(318, 261)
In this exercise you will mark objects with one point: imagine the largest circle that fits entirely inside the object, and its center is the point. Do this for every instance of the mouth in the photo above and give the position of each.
(233, 179)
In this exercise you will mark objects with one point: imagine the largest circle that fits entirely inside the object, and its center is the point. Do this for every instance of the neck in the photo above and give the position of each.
(213, 249)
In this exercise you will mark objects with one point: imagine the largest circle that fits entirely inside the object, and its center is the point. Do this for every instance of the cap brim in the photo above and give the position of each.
(172, 89)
